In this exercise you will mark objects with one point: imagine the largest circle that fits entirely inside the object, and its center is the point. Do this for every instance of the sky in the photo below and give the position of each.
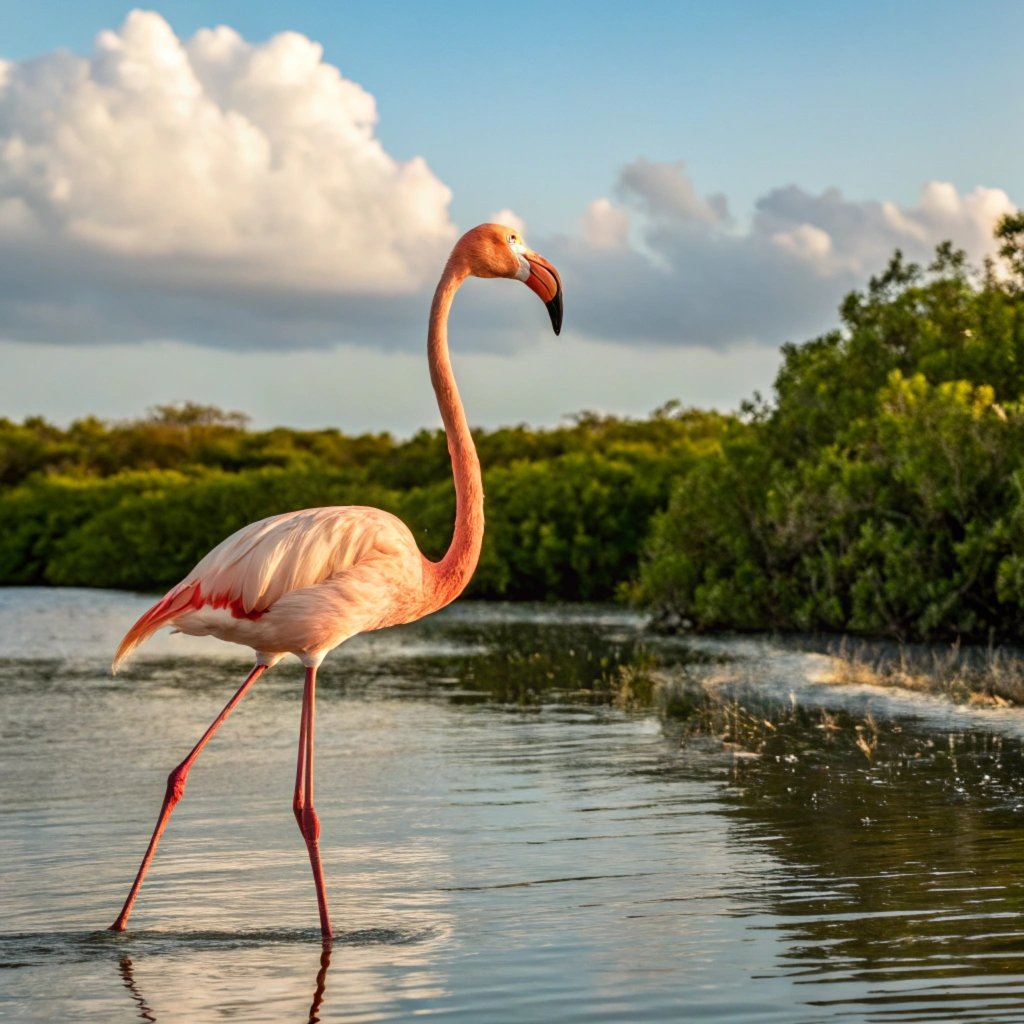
(248, 204)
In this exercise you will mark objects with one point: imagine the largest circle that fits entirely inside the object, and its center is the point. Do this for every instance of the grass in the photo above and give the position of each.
(720, 703)
(990, 676)
(749, 725)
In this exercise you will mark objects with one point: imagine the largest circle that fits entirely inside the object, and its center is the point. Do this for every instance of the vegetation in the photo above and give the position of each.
(879, 491)
(136, 504)
(882, 491)
(965, 675)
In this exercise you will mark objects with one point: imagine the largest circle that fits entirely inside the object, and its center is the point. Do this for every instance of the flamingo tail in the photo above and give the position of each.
(167, 609)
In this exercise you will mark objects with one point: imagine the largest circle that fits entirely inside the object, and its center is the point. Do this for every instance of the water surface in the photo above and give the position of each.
(502, 840)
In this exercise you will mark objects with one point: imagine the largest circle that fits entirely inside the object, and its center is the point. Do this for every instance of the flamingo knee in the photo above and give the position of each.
(176, 784)
(309, 824)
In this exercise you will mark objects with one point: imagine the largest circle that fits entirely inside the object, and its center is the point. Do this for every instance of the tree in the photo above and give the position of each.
(1010, 232)
(875, 492)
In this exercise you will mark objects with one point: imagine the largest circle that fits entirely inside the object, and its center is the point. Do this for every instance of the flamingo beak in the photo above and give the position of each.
(544, 280)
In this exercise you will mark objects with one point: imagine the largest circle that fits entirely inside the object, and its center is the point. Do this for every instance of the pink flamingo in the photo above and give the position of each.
(304, 582)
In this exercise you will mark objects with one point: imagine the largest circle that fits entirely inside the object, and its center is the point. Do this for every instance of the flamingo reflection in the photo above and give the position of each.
(128, 976)
(127, 970)
(321, 984)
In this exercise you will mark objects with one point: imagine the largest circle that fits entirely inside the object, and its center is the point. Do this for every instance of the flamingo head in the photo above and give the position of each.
(493, 250)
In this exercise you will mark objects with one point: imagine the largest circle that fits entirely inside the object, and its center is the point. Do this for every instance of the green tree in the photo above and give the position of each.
(878, 491)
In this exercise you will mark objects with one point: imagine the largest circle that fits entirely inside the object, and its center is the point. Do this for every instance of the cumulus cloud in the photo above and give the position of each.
(234, 194)
(604, 225)
(695, 277)
(158, 170)
(836, 236)
(509, 218)
(664, 192)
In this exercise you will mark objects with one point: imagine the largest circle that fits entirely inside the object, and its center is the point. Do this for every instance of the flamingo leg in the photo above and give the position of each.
(302, 803)
(175, 790)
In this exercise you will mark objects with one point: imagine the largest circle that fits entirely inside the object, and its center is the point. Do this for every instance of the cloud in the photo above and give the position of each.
(604, 225)
(671, 267)
(664, 192)
(509, 218)
(210, 172)
(233, 194)
(836, 236)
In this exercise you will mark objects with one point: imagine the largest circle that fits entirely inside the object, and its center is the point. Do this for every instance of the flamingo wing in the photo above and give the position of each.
(250, 571)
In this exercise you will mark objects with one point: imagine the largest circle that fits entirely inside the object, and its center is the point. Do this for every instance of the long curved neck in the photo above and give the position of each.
(453, 572)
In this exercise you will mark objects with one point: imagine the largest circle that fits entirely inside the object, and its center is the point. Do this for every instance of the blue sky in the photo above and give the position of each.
(754, 161)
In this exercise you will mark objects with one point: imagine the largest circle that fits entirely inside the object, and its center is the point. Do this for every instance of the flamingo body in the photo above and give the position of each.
(300, 583)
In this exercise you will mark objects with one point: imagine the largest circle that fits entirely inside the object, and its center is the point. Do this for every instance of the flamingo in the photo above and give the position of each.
(304, 582)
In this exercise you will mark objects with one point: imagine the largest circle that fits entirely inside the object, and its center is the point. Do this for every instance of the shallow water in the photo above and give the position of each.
(500, 842)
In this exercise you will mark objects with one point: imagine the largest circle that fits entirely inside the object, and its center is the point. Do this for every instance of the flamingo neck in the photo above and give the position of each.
(448, 578)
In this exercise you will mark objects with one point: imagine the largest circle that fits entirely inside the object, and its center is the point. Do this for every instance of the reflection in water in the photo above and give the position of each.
(506, 834)
(365, 951)
(128, 977)
(898, 856)
(321, 984)
(145, 1012)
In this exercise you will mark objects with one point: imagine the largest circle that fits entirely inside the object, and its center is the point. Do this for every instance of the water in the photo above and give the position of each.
(501, 842)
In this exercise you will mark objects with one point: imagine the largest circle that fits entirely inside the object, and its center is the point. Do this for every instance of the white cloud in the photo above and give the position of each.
(509, 218)
(805, 242)
(967, 219)
(695, 277)
(604, 225)
(863, 234)
(231, 194)
(211, 163)
(663, 190)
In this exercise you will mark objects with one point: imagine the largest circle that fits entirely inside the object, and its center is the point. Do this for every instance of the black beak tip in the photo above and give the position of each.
(555, 311)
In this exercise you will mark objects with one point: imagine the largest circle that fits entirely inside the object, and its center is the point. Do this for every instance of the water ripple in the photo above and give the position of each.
(500, 840)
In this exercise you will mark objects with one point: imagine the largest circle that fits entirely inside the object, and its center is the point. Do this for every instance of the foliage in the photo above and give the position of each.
(882, 490)
(137, 504)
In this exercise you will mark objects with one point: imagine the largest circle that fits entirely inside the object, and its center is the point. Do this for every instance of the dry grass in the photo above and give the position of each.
(752, 727)
(989, 676)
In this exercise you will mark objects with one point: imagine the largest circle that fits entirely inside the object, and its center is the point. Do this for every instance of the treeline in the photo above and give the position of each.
(136, 504)
(882, 489)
